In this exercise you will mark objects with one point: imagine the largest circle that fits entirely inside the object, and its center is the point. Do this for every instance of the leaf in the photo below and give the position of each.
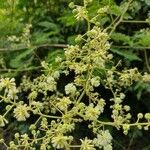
(71, 40)
(40, 37)
(140, 87)
(147, 2)
(19, 60)
(53, 54)
(116, 10)
(48, 25)
(120, 37)
(67, 19)
(127, 54)
(104, 20)
(142, 38)
(108, 2)
(145, 40)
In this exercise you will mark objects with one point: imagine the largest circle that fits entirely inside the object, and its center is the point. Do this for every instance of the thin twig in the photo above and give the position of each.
(131, 142)
(34, 47)
(20, 70)
(65, 46)
(121, 18)
(134, 21)
(129, 47)
(123, 148)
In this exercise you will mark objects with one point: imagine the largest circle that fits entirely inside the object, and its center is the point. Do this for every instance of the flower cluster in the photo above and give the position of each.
(146, 77)
(104, 139)
(13, 38)
(92, 113)
(60, 107)
(41, 84)
(95, 81)
(70, 89)
(127, 77)
(24, 38)
(63, 103)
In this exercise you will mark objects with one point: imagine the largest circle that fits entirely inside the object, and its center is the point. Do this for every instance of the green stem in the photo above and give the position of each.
(122, 124)
(20, 70)
(131, 141)
(88, 23)
(85, 86)
(48, 116)
(121, 17)
(65, 46)
(81, 96)
(123, 148)
(37, 120)
(5, 145)
(75, 146)
(5, 50)
(8, 111)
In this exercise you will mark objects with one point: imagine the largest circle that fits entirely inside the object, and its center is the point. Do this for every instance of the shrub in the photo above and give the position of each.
(69, 95)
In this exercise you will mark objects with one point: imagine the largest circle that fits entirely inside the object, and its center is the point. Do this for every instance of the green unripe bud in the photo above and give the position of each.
(71, 5)
(140, 115)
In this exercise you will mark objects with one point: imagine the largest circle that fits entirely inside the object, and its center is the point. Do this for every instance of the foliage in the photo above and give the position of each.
(86, 88)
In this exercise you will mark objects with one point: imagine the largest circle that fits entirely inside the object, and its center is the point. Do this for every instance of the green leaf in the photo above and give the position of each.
(108, 2)
(126, 54)
(140, 87)
(120, 37)
(147, 2)
(53, 54)
(40, 37)
(116, 10)
(145, 40)
(142, 38)
(67, 19)
(71, 40)
(48, 25)
(20, 59)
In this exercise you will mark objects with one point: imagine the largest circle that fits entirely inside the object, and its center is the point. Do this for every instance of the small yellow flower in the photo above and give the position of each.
(81, 13)
(59, 141)
(86, 144)
(92, 113)
(103, 139)
(70, 88)
(63, 103)
(7, 83)
(95, 81)
(21, 112)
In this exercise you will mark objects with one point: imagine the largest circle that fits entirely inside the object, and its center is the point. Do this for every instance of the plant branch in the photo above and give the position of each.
(65, 46)
(34, 47)
(134, 21)
(20, 70)
(130, 47)
(121, 17)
